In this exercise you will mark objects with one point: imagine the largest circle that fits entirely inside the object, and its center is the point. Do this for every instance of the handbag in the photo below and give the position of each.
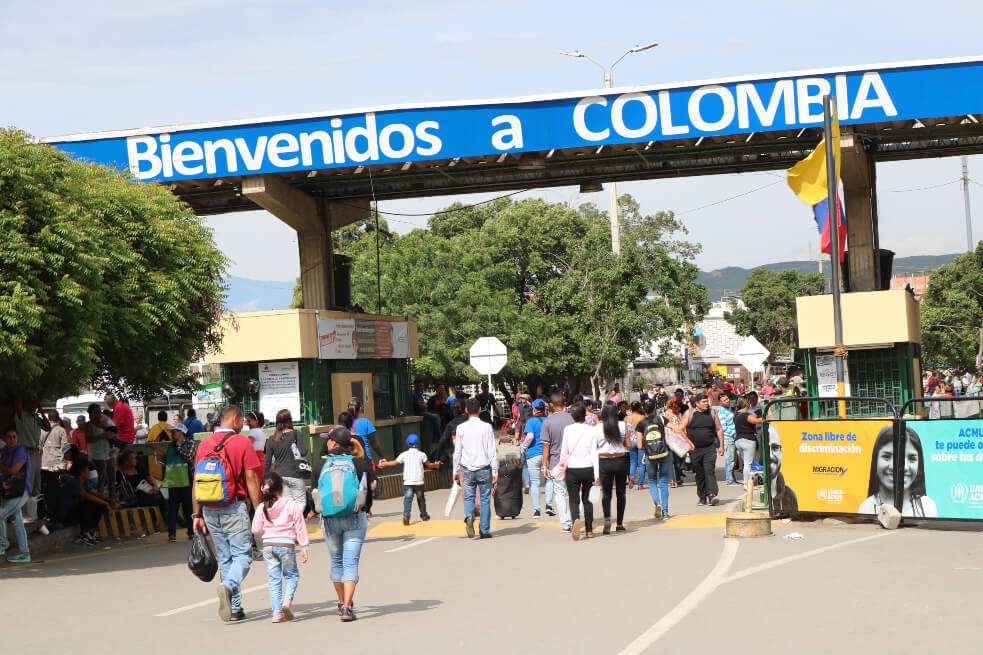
(145, 488)
(13, 486)
(677, 443)
(594, 496)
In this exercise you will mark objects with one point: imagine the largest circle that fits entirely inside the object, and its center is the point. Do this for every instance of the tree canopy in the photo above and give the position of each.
(769, 307)
(952, 313)
(104, 281)
(542, 278)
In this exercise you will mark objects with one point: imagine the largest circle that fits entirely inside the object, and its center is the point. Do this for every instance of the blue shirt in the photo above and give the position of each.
(18, 455)
(193, 425)
(362, 429)
(535, 426)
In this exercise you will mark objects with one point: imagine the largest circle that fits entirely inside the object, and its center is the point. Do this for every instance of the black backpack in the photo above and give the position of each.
(654, 440)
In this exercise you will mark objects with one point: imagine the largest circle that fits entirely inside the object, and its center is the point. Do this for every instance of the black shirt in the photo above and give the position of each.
(282, 455)
(702, 430)
(745, 430)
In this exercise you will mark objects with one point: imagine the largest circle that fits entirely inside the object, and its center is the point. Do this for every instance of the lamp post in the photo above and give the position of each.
(608, 82)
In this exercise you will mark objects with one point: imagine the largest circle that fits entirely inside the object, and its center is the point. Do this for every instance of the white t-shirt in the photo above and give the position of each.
(412, 460)
(258, 437)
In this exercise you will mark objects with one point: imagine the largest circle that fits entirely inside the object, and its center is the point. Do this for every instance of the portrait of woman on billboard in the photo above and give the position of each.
(882, 477)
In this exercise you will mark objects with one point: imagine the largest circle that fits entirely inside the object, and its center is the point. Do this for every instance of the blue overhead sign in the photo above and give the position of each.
(615, 116)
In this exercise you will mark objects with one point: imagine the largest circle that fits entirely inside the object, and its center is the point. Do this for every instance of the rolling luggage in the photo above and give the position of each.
(508, 492)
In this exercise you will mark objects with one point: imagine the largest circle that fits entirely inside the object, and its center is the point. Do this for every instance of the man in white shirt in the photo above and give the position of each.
(476, 467)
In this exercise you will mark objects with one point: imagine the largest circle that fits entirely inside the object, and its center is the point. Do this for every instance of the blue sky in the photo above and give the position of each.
(81, 67)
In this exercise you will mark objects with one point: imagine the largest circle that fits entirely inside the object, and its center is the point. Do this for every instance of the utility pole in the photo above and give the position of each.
(839, 352)
(612, 187)
(969, 220)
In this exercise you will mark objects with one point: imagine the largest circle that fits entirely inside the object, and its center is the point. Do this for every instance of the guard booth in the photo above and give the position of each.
(882, 335)
(313, 362)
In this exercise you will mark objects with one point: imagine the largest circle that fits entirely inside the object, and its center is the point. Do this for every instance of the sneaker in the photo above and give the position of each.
(565, 528)
(341, 609)
(237, 616)
(224, 603)
(666, 516)
(485, 535)
(406, 521)
(85, 540)
(549, 511)
(712, 499)
(703, 501)
(575, 529)
(607, 527)
(620, 528)
(288, 614)
(347, 614)
(469, 526)
(278, 617)
(658, 511)
(172, 538)
(536, 514)
(525, 490)
(425, 517)
(19, 558)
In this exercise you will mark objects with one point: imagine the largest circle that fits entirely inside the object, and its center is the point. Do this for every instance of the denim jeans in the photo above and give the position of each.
(534, 467)
(637, 465)
(11, 507)
(230, 530)
(556, 497)
(479, 480)
(344, 536)
(663, 471)
(409, 491)
(748, 449)
(728, 459)
(281, 570)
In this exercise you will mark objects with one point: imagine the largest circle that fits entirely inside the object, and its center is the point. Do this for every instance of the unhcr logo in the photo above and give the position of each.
(959, 492)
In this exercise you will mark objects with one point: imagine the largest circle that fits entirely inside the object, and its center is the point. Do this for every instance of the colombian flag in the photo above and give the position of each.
(807, 179)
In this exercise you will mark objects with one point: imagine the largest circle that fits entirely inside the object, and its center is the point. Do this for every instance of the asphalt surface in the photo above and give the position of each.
(672, 587)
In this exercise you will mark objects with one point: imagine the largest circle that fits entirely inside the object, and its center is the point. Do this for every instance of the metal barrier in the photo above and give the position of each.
(829, 471)
(941, 458)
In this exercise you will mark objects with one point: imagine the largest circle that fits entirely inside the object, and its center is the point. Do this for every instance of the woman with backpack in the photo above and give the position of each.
(343, 521)
(650, 437)
(286, 453)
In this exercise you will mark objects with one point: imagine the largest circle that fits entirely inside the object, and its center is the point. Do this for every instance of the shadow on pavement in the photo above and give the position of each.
(318, 610)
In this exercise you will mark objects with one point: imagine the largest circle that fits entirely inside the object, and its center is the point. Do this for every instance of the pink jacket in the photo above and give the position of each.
(285, 526)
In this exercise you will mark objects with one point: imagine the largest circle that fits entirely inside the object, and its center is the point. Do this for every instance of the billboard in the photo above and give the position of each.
(412, 133)
(827, 466)
(943, 468)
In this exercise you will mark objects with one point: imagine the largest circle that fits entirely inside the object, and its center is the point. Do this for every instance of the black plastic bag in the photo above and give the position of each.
(201, 558)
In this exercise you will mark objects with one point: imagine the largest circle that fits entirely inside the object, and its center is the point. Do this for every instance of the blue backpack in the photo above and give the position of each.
(338, 486)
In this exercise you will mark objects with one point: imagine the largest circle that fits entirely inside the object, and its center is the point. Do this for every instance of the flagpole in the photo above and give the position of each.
(832, 181)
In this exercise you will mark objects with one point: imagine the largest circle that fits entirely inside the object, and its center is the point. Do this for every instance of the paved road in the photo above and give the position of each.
(677, 587)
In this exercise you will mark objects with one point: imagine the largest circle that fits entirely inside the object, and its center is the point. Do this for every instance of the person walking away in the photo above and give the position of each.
(255, 421)
(476, 467)
(364, 431)
(279, 523)
(532, 445)
(651, 431)
(702, 428)
(16, 485)
(636, 457)
(414, 462)
(612, 451)
(745, 425)
(725, 416)
(179, 458)
(579, 452)
(225, 476)
(286, 453)
(487, 401)
(551, 436)
(343, 520)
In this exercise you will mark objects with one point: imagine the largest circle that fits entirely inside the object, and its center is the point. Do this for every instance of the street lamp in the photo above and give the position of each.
(608, 82)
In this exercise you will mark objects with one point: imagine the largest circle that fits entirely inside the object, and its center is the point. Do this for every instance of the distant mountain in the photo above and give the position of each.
(246, 295)
(729, 281)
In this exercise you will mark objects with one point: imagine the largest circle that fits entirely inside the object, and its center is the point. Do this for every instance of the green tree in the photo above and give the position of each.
(104, 281)
(769, 307)
(542, 278)
(952, 313)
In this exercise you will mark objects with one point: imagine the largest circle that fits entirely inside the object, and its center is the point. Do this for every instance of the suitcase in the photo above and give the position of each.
(508, 492)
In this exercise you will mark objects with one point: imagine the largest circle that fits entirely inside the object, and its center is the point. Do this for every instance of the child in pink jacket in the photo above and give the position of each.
(279, 522)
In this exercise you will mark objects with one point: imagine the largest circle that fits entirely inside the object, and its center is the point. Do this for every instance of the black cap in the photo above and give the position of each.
(340, 435)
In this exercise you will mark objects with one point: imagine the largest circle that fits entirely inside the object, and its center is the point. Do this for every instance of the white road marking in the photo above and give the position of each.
(793, 558)
(206, 603)
(718, 576)
(411, 545)
(688, 604)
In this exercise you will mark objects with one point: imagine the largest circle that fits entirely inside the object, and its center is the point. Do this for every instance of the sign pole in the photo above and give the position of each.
(832, 208)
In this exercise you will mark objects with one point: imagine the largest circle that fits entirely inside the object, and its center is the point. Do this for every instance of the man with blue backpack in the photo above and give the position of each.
(225, 475)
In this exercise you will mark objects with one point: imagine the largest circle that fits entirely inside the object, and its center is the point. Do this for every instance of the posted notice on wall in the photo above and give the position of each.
(279, 388)
(944, 463)
(341, 338)
(826, 372)
(336, 338)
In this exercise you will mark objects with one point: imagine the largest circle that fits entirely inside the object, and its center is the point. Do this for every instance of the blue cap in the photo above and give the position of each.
(539, 403)
(413, 440)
